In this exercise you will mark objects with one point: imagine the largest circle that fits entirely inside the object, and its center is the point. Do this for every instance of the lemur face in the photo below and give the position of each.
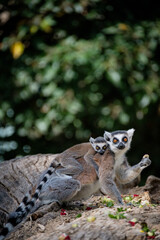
(119, 141)
(99, 144)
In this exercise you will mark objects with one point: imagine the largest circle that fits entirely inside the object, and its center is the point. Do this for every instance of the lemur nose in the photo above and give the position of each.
(121, 146)
(101, 152)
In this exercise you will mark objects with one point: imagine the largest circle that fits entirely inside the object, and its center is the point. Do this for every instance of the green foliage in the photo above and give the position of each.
(121, 209)
(74, 69)
(117, 215)
(108, 202)
(149, 232)
(128, 199)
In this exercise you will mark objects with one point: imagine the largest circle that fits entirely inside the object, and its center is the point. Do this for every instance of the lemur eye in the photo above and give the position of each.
(97, 147)
(115, 140)
(125, 139)
(104, 147)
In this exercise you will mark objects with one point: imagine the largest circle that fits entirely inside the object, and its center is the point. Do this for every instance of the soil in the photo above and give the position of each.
(92, 221)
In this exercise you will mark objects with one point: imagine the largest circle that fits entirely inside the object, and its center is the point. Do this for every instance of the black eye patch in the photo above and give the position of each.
(125, 139)
(115, 140)
(104, 147)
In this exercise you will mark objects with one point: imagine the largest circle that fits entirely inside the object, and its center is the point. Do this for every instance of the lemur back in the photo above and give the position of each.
(68, 158)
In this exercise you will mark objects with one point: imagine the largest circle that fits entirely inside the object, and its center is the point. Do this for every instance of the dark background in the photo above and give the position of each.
(72, 69)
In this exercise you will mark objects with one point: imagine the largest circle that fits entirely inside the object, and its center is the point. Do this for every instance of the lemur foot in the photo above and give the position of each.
(145, 162)
(120, 201)
(129, 204)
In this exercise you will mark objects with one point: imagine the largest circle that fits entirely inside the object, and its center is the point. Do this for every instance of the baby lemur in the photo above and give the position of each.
(68, 158)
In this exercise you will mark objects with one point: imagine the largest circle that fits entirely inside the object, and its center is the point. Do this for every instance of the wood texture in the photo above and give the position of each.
(17, 177)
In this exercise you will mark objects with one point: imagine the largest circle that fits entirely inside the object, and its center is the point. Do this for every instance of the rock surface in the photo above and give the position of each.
(48, 222)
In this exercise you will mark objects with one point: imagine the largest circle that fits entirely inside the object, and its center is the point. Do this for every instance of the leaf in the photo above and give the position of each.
(74, 225)
(121, 209)
(127, 198)
(121, 216)
(110, 204)
(17, 49)
(145, 227)
(107, 201)
(112, 216)
(91, 218)
(117, 215)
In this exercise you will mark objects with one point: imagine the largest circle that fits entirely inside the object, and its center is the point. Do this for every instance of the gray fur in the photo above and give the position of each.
(58, 188)
(55, 185)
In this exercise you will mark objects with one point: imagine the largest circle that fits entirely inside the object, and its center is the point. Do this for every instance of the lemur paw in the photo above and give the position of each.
(145, 162)
(146, 156)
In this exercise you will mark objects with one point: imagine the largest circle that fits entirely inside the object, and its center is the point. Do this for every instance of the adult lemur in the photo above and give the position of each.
(124, 175)
(56, 185)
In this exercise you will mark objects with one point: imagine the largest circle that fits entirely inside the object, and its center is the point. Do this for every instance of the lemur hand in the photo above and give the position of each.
(145, 162)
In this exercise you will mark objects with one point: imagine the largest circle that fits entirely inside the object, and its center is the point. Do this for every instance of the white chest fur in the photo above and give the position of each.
(119, 158)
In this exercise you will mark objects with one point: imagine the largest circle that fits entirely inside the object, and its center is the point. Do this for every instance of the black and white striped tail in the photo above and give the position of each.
(26, 205)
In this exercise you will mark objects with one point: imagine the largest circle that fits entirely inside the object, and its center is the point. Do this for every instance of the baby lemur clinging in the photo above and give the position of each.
(68, 158)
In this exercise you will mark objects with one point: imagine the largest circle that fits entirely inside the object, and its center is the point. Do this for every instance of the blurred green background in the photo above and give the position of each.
(72, 69)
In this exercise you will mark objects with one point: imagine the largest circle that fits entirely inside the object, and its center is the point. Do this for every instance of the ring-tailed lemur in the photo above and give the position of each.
(68, 160)
(82, 184)
(119, 143)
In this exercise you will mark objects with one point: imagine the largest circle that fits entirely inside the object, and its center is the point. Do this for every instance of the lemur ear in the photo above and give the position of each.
(131, 132)
(107, 136)
(91, 140)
